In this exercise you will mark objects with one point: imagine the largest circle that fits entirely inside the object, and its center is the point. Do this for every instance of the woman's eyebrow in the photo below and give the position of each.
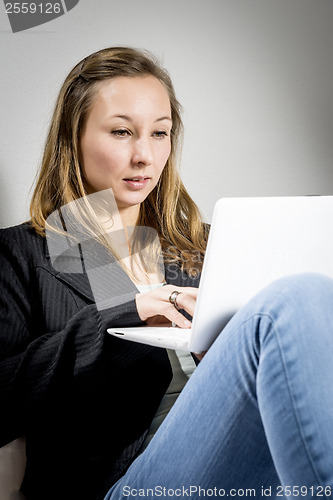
(163, 118)
(122, 117)
(128, 118)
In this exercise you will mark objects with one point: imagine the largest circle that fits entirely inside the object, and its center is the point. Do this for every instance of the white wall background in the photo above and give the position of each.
(254, 77)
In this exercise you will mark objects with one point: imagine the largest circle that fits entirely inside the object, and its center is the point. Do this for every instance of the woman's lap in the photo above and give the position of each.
(262, 394)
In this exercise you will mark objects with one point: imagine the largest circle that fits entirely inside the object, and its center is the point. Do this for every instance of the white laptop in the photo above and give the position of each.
(252, 242)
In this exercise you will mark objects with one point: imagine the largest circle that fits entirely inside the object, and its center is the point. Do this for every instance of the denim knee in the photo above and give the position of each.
(297, 305)
(306, 289)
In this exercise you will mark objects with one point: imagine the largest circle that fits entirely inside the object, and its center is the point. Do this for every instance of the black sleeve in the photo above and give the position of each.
(36, 367)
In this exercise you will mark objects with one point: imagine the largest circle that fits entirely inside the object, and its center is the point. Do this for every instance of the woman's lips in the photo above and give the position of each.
(136, 182)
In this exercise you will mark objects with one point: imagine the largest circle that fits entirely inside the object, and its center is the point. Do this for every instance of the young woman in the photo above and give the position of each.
(258, 410)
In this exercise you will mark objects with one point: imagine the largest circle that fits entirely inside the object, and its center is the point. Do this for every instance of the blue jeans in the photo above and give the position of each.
(256, 417)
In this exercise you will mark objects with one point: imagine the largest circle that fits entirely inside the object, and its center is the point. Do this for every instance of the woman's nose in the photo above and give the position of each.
(142, 153)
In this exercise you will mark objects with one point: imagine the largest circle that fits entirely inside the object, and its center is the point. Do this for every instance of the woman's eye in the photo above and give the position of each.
(160, 134)
(120, 133)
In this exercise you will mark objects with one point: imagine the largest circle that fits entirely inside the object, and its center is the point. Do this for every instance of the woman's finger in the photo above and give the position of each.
(186, 298)
(157, 302)
(176, 317)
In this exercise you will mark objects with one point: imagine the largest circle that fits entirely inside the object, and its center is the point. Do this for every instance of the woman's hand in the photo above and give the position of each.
(154, 307)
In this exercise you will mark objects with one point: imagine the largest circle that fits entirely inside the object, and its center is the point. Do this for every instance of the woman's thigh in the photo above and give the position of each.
(239, 408)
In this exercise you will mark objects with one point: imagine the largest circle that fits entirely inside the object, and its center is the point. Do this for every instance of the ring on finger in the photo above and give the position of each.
(173, 299)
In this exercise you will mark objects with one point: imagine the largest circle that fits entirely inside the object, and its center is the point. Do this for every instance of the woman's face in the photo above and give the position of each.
(125, 141)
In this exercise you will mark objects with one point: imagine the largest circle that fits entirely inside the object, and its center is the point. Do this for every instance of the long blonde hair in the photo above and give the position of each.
(169, 209)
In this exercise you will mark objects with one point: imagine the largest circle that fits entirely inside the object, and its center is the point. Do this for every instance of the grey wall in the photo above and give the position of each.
(254, 77)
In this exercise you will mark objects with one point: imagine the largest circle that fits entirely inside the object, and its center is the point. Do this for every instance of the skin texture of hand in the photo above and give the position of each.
(155, 308)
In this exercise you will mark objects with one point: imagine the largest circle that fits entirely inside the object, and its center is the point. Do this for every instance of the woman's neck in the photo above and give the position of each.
(129, 215)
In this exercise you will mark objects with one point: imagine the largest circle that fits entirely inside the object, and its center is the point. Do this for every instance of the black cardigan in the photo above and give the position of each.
(83, 399)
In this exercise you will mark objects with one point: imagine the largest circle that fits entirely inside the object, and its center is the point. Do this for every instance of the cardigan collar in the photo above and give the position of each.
(93, 272)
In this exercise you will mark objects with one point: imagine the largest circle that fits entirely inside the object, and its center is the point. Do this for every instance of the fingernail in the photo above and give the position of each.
(187, 323)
